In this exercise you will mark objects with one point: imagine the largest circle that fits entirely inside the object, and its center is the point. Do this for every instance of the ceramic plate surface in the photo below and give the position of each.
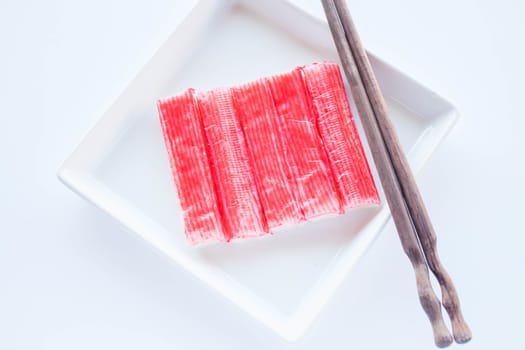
(122, 167)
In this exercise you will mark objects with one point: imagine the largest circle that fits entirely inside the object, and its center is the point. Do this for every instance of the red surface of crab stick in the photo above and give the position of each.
(303, 147)
(184, 139)
(352, 174)
(237, 195)
(261, 126)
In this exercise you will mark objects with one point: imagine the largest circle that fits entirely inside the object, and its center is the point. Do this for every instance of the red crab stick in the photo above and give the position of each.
(274, 151)
(235, 185)
(303, 148)
(260, 123)
(337, 129)
(184, 139)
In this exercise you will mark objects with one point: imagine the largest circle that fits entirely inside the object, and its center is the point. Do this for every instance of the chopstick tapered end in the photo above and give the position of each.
(462, 332)
(443, 339)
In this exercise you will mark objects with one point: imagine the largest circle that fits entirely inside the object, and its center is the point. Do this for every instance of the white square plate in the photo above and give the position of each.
(121, 165)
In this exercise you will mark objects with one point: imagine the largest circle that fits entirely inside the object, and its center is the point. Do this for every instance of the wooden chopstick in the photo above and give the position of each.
(413, 199)
(389, 179)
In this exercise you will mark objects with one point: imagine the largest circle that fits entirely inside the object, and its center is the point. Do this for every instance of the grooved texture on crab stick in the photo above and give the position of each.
(303, 146)
(261, 126)
(352, 174)
(235, 184)
(185, 142)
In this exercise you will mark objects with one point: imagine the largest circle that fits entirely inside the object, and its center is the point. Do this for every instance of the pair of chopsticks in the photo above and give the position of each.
(410, 216)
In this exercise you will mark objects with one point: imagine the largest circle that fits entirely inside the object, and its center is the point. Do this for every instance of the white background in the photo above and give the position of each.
(72, 278)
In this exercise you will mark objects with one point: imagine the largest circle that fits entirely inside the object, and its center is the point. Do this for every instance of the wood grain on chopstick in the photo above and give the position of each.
(391, 186)
(413, 199)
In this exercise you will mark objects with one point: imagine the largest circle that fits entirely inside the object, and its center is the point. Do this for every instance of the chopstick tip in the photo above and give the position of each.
(442, 336)
(443, 340)
(462, 334)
